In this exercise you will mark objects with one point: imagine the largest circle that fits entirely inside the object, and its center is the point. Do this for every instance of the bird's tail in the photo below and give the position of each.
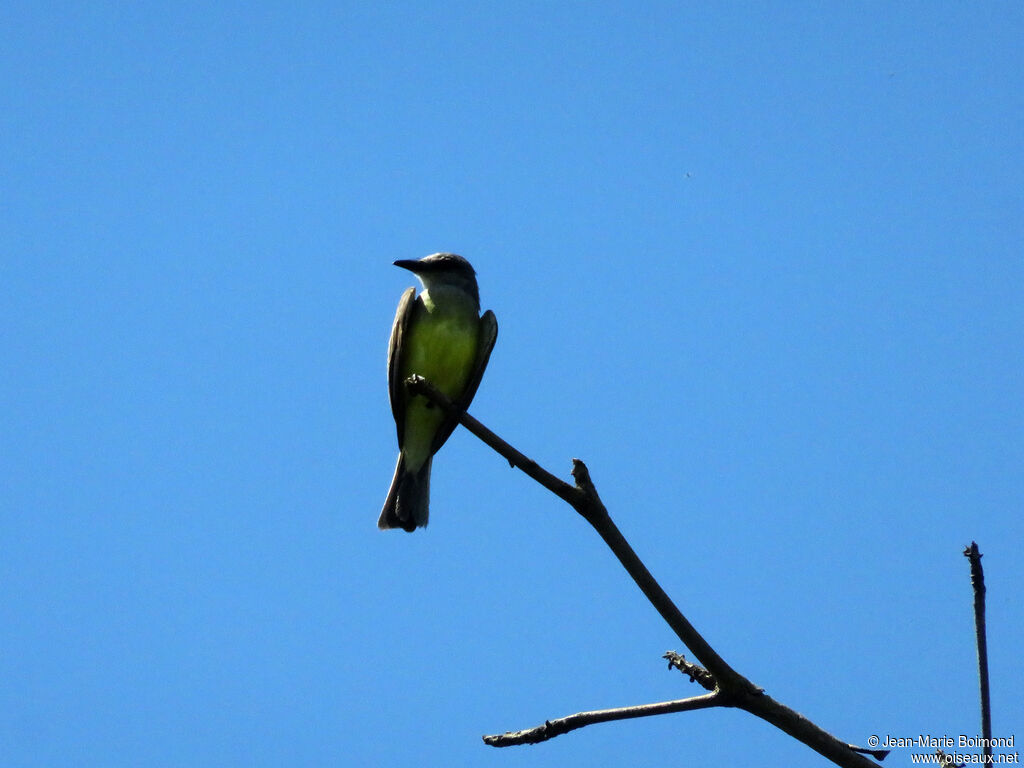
(408, 502)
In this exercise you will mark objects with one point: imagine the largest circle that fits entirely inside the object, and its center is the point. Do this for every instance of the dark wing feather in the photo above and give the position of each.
(396, 389)
(485, 343)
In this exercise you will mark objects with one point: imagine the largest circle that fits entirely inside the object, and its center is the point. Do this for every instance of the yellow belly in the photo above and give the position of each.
(442, 349)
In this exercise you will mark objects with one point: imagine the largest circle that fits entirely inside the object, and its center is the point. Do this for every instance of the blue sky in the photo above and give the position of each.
(760, 266)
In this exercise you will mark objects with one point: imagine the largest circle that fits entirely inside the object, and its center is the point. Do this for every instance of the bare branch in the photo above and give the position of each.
(800, 728)
(732, 688)
(978, 583)
(552, 728)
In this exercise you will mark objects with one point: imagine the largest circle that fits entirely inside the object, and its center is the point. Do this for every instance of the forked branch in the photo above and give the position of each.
(731, 689)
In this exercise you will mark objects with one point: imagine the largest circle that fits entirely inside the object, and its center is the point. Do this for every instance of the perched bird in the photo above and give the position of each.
(441, 336)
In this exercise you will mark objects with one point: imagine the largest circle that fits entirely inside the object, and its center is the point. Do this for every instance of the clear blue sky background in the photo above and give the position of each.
(759, 265)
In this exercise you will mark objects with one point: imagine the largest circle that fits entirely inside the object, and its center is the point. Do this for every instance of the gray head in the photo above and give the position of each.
(439, 269)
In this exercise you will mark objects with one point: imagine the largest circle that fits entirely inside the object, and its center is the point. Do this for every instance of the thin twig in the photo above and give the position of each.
(552, 728)
(695, 672)
(420, 386)
(733, 689)
(978, 583)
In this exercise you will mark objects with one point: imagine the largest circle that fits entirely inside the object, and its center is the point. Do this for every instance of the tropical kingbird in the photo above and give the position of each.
(441, 336)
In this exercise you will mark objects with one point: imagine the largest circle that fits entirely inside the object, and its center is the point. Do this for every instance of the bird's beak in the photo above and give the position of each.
(411, 264)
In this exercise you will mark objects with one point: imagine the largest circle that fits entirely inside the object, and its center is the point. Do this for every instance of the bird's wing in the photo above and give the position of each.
(485, 343)
(396, 389)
